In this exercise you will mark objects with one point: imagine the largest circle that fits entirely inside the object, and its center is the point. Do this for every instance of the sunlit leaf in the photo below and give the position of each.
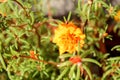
(92, 61)
(88, 71)
(106, 74)
(63, 73)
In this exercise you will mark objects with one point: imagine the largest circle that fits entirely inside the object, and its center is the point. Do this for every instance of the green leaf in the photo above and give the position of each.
(32, 17)
(46, 74)
(1, 57)
(53, 24)
(114, 78)
(65, 20)
(65, 55)
(7, 40)
(108, 72)
(105, 55)
(66, 63)
(91, 60)
(63, 73)
(72, 70)
(13, 52)
(118, 77)
(107, 67)
(85, 8)
(103, 3)
(88, 13)
(114, 58)
(86, 53)
(16, 44)
(96, 6)
(24, 41)
(117, 47)
(21, 33)
(2, 61)
(88, 71)
(11, 4)
(79, 5)
(69, 16)
(78, 73)
(86, 77)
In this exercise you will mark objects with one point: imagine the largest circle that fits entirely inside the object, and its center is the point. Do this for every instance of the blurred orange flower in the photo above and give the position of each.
(3, 0)
(68, 37)
(75, 60)
(33, 55)
(117, 16)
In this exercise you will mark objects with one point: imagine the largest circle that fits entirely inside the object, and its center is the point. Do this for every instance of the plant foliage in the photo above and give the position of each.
(27, 50)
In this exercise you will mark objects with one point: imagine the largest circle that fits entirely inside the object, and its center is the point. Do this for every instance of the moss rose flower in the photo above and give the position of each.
(67, 37)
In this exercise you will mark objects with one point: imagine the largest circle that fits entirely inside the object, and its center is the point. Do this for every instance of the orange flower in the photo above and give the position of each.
(3, 0)
(33, 55)
(105, 34)
(75, 60)
(68, 37)
(117, 16)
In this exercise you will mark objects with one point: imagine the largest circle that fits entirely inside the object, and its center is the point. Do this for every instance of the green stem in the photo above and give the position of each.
(2, 61)
(1, 57)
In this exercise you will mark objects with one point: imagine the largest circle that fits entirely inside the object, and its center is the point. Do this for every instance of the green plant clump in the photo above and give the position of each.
(34, 46)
